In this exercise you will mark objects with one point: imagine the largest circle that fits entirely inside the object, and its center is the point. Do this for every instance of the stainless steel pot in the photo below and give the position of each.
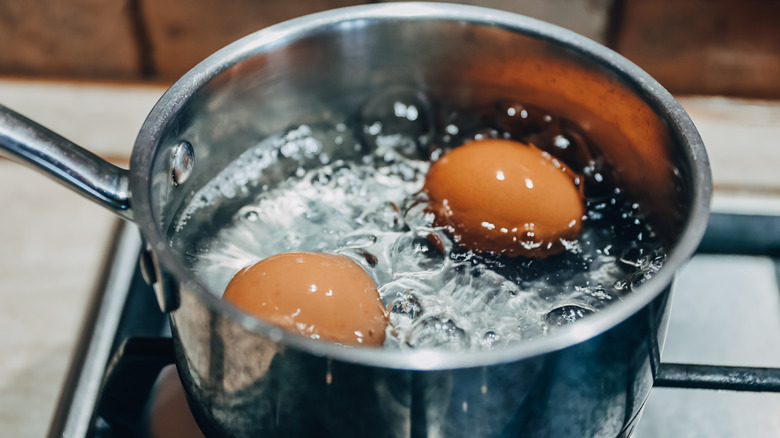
(245, 378)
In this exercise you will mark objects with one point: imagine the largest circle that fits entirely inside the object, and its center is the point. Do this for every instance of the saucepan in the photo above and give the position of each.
(244, 377)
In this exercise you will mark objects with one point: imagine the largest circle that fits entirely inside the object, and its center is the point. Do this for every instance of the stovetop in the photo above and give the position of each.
(725, 311)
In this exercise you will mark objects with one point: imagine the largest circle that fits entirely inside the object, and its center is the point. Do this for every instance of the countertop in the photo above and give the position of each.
(52, 241)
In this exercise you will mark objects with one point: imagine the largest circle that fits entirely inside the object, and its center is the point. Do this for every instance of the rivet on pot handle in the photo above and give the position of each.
(37, 147)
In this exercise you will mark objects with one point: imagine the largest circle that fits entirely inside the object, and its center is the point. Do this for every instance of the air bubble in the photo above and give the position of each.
(639, 280)
(485, 134)
(416, 252)
(249, 214)
(407, 305)
(403, 170)
(397, 119)
(633, 257)
(621, 285)
(417, 214)
(385, 217)
(598, 292)
(321, 177)
(357, 240)
(298, 143)
(293, 239)
(519, 120)
(565, 315)
(438, 332)
(561, 142)
(315, 213)
(490, 338)
(507, 287)
(599, 184)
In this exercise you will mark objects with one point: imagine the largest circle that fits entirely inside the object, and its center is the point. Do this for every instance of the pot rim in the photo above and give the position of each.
(645, 86)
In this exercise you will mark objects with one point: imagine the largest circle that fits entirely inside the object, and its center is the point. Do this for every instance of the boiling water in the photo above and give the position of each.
(355, 191)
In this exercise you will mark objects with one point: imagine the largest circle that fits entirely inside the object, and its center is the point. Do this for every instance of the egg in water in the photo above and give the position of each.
(321, 296)
(506, 197)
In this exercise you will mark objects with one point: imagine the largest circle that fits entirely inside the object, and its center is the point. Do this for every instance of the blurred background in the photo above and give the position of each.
(92, 69)
(723, 47)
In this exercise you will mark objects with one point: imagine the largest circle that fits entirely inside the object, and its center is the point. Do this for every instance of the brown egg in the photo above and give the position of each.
(505, 197)
(322, 296)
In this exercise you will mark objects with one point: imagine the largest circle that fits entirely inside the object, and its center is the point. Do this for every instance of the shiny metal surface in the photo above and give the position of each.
(242, 385)
(181, 163)
(246, 378)
(33, 145)
(264, 83)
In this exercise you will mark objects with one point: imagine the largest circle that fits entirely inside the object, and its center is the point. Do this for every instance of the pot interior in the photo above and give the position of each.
(326, 73)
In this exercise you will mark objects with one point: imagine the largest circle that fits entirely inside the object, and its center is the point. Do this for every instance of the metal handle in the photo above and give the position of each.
(729, 234)
(130, 375)
(675, 375)
(31, 144)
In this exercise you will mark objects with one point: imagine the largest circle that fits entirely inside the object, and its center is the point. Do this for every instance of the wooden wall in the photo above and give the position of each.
(726, 47)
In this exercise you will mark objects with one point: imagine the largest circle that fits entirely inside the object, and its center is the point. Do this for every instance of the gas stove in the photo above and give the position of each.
(725, 313)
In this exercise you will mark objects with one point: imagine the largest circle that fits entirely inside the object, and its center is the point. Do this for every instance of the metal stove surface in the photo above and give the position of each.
(726, 311)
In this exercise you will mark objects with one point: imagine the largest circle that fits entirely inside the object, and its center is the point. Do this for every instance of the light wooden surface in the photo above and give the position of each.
(52, 241)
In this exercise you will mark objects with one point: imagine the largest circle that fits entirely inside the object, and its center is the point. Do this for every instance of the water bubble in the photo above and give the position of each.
(520, 119)
(293, 239)
(598, 292)
(403, 170)
(321, 176)
(438, 332)
(490, 338)
(621, 285)
(351, 182)
(397, 119)
(639, 279)
(567, 314)
(633, 257)
(357, 240)
(249, 214)
(407, 305)
(315, 212)
(417, 214)
(385, 217)
(507, 287)
(415, 252)
(647, 269)
(373, 129)
(561, 142)
(436, 153)
(484, 134)
(566, 142)
(298, 143)
(598, 181)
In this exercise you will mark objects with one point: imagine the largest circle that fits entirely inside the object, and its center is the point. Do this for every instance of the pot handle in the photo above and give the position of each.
(677, 375)
(28, 143)
(130, 376)
(742, 234)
